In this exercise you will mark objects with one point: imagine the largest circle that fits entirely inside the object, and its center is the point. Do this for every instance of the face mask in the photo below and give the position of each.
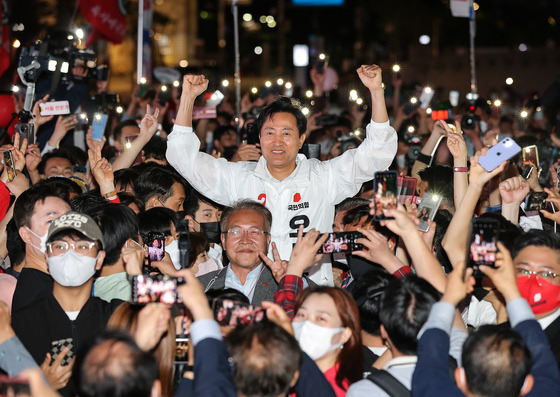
(173, 250)
(358, 266)
(206, 267)
(43, 244)
(314, 339)
(229, 151)
(542, 295)
(71, 269)
(211, 230)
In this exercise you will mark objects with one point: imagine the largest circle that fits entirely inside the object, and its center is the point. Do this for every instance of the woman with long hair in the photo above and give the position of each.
(327, 326)
(125, 318)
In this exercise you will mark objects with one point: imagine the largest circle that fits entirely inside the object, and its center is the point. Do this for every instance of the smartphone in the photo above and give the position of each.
(454, 98)
(231, 313)
(215, 99)
(156, 247)
(181, 350)
(341, 242)
(14, 386)
(426, 97)
(56, 108)
(321, 64)
(9, 164)
(156, 288)
(102, 73)
(327, 120)
(502, 151)
(58, 345)
(163, 96)
(252, 133)
(531, 155)
(527, 170)
(25, 131)
(98, 126)
(407, 188)
(535, 201)
(427, 210)
(482, 246)
(385, 194)
(83, 119)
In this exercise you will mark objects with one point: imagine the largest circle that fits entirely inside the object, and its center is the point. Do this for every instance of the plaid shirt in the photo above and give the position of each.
(403, 272)
(286, 294)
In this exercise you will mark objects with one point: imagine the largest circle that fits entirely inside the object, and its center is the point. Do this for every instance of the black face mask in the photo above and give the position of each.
(229, 152)
(211, 230)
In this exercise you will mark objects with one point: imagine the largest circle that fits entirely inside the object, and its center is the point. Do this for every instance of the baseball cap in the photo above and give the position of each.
(79, 222)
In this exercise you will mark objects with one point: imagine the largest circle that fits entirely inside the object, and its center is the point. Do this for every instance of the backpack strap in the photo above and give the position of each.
(388, 383)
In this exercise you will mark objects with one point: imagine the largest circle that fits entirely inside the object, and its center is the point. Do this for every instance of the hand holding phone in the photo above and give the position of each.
(482, 247)
(341, 242)
(156, 247)
(98, 126)
(499, 153)
(156, 288)
(385, 193)
(231, 313)
(427, 210)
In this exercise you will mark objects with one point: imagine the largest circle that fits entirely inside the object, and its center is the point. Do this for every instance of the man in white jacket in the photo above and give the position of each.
(295, 189)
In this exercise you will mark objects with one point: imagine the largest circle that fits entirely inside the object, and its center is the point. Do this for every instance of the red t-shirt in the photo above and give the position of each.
(330, 374)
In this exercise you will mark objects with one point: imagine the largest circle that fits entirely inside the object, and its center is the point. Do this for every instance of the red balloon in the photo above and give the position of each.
(7, 107)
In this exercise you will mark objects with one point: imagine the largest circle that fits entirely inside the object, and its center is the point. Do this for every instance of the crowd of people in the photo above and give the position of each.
(99, 296)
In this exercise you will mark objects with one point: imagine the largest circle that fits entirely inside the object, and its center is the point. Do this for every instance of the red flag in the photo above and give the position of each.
(107, 18)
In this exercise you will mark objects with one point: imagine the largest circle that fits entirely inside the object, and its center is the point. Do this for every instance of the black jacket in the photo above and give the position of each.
(31, 286)
(43, 322)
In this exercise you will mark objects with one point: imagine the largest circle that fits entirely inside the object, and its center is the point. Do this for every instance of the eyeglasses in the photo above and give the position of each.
(60, 247)
(253, 233)
(546, 274)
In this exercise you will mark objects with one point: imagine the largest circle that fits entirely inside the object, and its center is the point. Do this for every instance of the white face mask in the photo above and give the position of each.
(43, 241)
(314, 339)
(206, 267)
(71, 269)
(173, 250)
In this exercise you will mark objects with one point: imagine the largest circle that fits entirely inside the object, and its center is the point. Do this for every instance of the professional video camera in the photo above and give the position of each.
(57, 54)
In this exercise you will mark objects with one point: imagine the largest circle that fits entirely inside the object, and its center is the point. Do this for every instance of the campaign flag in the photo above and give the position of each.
(107, 18)
(462, 8)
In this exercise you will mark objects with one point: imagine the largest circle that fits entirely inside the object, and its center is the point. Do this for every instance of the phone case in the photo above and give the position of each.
(498, 153)
(427, 210)
(384, 184)
(531, 153)
(98, 127)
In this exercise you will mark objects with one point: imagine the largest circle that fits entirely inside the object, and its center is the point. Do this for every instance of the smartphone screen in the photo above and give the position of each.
(232, 313)
(252, 133)
(482, 247)
(98, 126)
(156, 288)
(341, 242)
(531, 155)
(427, 210)
(407, 188)
(9, 164)
(156, 247)
(502, 151)
(181, 350)
(14, 386)
(385, 196)
(535, 201)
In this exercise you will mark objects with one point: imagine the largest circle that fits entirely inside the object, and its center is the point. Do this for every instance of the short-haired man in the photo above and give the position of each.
(203, 215)
(34, 211)
(63, 322)
(55, 163)
(266, 360)
(536, 258)
(245, 236)
(158, 186)
(297, 190)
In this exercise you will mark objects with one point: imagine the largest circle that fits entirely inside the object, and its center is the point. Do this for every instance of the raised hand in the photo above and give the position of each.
(370, 76)
(152, 323)
(247, 152)
(460, 283)
(304, 255)
(32, 157)
(377, 250)
(514, 190)
(278, 316)
(19, 154)
(194, 85)
(63, 125)
(192, 295)
(149, 124)
(553, 198)
(455, 142)
(503, 276)
(478, 175)
(133, 257)
(39, 120)
(102, 170)
(277, 266)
